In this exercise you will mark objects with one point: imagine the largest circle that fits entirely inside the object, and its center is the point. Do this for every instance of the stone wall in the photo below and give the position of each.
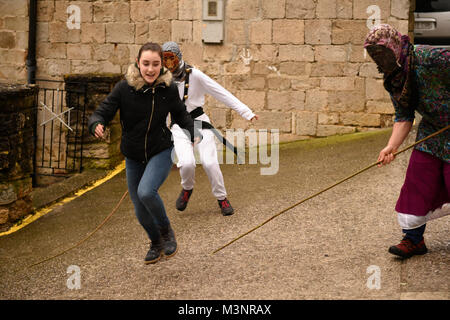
(13, 40)
(18, 120)
(300, 65)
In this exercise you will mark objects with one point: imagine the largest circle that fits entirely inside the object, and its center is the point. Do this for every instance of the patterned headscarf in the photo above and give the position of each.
(180, 73)
(398, 83)
(387, 36)
(172, 47)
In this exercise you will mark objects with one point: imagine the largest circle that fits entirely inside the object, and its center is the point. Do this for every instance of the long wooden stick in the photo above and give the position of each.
(85, 238)
(328, 188)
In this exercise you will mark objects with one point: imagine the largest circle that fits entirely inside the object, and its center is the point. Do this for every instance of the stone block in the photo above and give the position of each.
(347, 101)
(116, 12)
(328, 118)
(103, 51)
(218, 117)
(144, 11)
(52, 68)
(22, 40)
(316, 100)
(288, 31)
(337, 83)
(351, 69)
(243, 82)
(349, 31)
(318, 31)
(218, 53)
(13, 56)
(304, 9)
(236, 10)
(327, 69)
(360, 119)
(43, 34)
(45, 10)
(120, 32)
(261, 32)
(305, 83)
(278, 100)
(279, 83)
(400, 9)
(168, 9)
(295, 68)
(326, 9)
(7, 39)
(78, 51)
(274, 120)
(14, 8)
(254, 99)
(375, 90)
(261, 52)
(159, 30)
(331, 130)
(297, 99)
(296, 53)
(93, 33)
(344, 9)
(306, 123)
(236, 68)
(181, 31)
(236, 32)
(190, 10)
(327, 53)
(380, 107)
(16, 23)
(272, 9)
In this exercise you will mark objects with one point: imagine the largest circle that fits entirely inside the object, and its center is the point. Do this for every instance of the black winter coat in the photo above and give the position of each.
(143, 114)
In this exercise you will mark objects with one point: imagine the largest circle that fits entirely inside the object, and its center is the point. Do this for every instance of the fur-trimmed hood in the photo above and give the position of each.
(134, 78)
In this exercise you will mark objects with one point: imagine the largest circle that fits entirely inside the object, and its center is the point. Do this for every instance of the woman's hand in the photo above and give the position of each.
(386, 155)
(196, 141)
(99, 131)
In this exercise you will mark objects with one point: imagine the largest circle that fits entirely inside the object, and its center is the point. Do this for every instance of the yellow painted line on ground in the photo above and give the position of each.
(43, 211)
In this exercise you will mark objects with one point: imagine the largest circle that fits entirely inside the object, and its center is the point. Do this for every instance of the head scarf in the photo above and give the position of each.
(173, 47)
(398, 82)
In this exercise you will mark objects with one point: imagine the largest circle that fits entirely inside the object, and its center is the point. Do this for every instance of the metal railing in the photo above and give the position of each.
(60, 128)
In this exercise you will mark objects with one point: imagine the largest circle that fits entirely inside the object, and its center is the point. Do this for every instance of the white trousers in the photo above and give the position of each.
(208, 157)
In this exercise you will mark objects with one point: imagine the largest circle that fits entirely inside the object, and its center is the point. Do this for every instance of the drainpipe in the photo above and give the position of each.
(31, 57)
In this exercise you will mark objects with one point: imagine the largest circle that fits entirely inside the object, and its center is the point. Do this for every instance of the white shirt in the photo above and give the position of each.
(199, 85)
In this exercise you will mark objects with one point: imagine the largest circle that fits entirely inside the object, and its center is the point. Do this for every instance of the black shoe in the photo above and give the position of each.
(169, 244)
(183, 199)
(154, 254)
(225, 206)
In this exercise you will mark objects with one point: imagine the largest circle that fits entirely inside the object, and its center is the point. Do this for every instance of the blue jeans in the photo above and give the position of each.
(143, 182)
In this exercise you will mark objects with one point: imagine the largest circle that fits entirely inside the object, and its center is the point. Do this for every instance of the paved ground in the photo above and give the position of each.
(321, 249)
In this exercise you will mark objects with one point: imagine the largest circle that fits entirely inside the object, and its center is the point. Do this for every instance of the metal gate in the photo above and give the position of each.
(60, 128)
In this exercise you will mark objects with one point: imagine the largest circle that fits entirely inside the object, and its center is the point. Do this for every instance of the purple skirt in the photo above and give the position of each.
(427, 185)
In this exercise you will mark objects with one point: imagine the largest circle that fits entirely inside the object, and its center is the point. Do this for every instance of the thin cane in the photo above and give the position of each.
(328, 188)
(87, 237)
